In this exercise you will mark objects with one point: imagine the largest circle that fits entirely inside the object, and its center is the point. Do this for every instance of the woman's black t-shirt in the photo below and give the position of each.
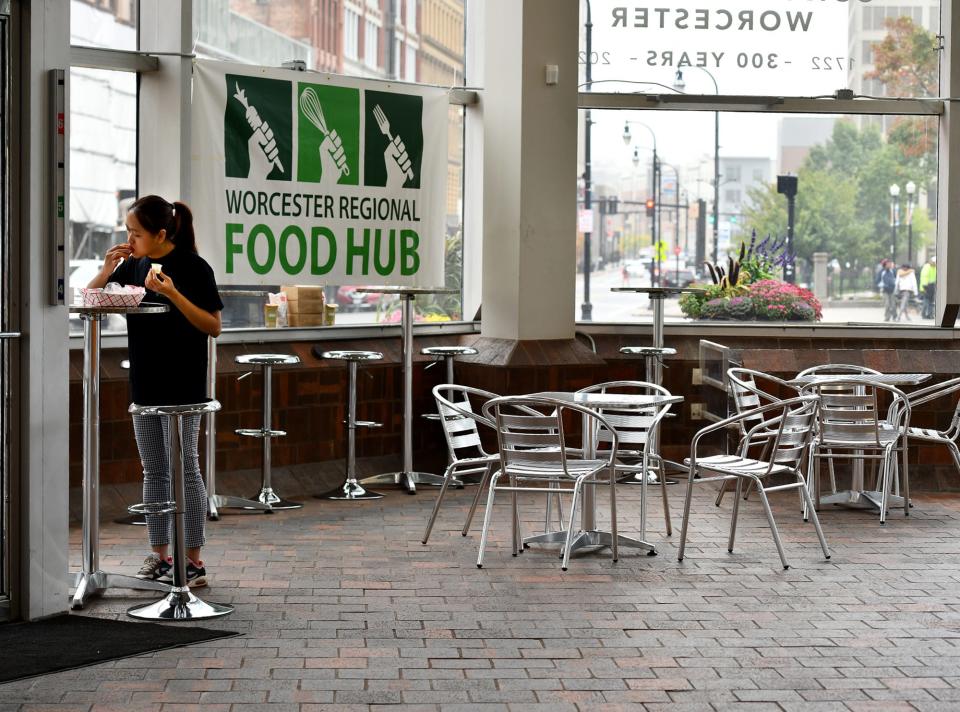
(168, 354)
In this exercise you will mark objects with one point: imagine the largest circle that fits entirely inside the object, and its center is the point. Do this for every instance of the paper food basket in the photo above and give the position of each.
(129, 297)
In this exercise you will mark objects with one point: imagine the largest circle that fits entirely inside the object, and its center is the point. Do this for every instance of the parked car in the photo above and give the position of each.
(350, 299)
(675, 278)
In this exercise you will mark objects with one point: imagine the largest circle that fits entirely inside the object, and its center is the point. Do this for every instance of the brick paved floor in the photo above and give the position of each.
(342, 608)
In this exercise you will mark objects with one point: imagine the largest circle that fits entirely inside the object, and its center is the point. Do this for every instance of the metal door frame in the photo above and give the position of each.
(10, 374)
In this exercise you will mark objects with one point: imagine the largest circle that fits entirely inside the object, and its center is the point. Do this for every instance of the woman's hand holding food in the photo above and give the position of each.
(160, 283)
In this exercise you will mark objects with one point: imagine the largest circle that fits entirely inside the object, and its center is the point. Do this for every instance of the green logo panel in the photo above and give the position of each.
(328, 130)
(393, 139)
(257, 130)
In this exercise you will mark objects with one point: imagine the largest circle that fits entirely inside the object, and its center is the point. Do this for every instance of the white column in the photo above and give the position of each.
(44, 364)
(473, 163)
(948, 216)
(529, 169)
(164, 138)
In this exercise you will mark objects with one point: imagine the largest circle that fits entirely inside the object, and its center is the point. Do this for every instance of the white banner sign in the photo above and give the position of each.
(318, 179)
(745, 46)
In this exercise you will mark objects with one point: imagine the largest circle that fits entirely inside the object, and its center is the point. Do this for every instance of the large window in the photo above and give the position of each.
(371, 44)
(104, 23)
(680, 197)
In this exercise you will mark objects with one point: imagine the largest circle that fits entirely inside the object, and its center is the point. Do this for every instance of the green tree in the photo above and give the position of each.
(843, 202)
(907, 61)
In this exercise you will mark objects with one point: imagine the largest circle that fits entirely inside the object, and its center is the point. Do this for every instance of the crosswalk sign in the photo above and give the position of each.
(660, 250)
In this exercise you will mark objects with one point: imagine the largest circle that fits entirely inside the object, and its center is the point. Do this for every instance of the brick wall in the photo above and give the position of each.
(309, 399)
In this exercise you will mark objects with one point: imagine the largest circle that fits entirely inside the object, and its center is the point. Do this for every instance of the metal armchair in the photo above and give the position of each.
(850, 425)
(946, 437)
(638, 432)
(459, 411)
(791, 423)
(534, 450)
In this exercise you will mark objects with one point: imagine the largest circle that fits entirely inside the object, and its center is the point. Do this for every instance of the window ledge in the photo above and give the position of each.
(329, 333)
(798, 330)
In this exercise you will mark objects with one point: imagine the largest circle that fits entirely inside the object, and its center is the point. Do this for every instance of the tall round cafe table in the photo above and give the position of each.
(90, 580)
(657, 296)
(407, 477)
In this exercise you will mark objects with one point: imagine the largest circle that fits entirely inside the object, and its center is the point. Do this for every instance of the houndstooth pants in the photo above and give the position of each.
(152, 442)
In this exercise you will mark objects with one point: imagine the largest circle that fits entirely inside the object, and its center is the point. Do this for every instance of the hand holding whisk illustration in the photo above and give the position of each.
(395, 149)
(261, 130)
(332, 146)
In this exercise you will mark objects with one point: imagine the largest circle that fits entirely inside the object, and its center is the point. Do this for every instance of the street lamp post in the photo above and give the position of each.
(654, 231)
(894, 219)
(586, 309)
(679, 84)
(676, 235)
(911, 196)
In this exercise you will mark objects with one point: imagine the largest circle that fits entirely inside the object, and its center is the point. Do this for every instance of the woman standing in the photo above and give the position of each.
(906, 290)
(168, 362)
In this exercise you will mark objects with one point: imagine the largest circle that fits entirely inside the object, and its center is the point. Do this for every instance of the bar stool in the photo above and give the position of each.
(653, 359)
(653, 363)
(267, 496)
(180, 603)
(351, 489)
(447, 354)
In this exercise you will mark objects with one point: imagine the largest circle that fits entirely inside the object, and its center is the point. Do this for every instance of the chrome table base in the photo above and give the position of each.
(591, 539)
(408, 480)
(350, 490)
(862, 500)
(268, 499)
(179, 605)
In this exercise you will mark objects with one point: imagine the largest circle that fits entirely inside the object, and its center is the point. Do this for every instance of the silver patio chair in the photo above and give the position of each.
(637, 430)
(791, 421)
(459, 411)
(837, 369)
(751, 389)
(946, 437)
(534, 450)
(851, 425)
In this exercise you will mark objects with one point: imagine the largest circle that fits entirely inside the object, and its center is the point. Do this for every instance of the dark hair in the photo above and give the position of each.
(156, 214)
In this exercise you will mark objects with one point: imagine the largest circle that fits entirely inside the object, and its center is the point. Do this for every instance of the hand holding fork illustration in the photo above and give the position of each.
(262, 134)
(397, 160)
(333, 157)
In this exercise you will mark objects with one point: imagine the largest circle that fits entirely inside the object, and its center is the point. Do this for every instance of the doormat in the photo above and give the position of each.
(72, 641)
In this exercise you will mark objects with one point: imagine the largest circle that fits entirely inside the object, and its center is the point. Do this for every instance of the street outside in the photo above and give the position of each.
(611, 306)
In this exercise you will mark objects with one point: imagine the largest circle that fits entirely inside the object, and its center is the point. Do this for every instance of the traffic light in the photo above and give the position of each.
(710, 219)
(612, 205)
(651, 204)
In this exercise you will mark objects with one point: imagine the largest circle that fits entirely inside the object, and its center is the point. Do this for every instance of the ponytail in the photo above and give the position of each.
(183, 235)
(156, 214)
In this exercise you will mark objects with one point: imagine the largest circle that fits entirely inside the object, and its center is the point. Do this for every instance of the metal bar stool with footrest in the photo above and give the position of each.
(351, 489)
(653, 373)
(216, 501)
(446, 354)
(179, 604)
(267, 498)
